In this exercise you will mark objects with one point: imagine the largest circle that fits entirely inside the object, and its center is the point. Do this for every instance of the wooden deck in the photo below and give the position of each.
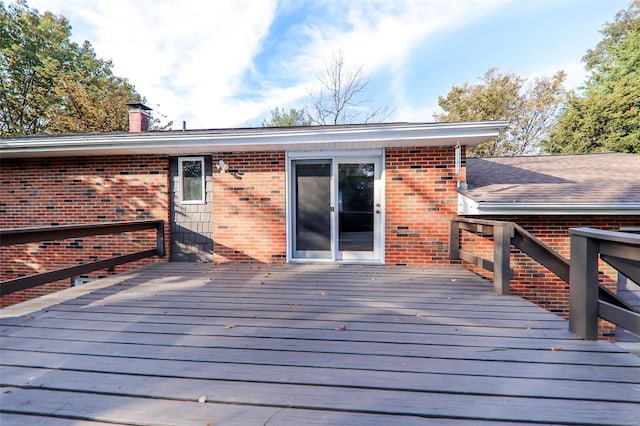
(188, 344)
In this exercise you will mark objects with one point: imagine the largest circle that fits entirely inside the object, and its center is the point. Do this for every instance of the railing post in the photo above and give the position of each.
(160, 238)
(454, 240)
(502, 234)
(583, 287)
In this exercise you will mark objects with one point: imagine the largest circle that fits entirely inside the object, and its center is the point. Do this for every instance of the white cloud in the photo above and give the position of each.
(191, 57)
(575, 71)
(380, 35)
(416, 114)
(188, 57)
(376, 33)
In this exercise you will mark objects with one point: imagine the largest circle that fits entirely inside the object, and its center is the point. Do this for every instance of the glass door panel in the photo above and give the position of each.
(312, 209)
(356, 207)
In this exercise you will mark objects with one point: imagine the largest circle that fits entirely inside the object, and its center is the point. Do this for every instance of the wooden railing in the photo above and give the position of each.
(507, 234)
(501, 233)
(621, 250)
(29, 235)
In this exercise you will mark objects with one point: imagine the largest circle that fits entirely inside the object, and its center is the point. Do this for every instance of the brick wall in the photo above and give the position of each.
(421, 200)
(536, 283)
(64, 191)
(249, 212)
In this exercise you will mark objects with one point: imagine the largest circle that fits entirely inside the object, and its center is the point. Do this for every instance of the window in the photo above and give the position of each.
(191, 174)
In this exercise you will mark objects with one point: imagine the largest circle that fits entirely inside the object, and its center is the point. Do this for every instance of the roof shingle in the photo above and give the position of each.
(577, 178)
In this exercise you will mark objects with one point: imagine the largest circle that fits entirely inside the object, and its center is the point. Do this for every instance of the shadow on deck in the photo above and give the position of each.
(188, 344)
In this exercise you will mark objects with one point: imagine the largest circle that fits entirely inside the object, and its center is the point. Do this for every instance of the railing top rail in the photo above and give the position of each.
(613, 236)
(37, 234)
(25, 230)
(480, 221)
(9, 236)
(550, 251)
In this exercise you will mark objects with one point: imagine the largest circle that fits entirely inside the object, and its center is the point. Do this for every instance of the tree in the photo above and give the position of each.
(530, 108)
(338, 98)
(605, 116)
(280, 118)
(49, 84)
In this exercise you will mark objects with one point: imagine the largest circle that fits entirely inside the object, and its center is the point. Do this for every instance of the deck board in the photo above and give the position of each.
(461, 319)
(158, 333)
(305, 344)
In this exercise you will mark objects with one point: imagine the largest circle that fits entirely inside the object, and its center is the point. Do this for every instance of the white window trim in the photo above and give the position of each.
(181, 185)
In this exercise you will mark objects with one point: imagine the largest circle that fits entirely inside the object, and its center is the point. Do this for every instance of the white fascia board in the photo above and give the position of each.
(357, 137)
(469, 207)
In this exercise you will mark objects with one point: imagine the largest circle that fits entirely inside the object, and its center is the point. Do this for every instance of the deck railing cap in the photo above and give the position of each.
(600, 234)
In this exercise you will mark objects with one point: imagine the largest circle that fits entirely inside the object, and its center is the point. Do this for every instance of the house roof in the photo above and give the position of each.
(606, 183)
(358, 136)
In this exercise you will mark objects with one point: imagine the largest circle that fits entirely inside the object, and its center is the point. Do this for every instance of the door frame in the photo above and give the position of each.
(336, 156)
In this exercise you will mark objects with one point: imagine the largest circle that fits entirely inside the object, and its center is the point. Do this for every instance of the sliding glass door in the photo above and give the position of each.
(312, 209)
(356, 209)
(336, 212)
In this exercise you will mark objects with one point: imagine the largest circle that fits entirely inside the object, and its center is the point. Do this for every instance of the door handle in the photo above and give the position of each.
(331, 209)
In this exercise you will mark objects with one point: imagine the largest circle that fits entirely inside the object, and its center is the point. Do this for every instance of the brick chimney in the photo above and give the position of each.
(139, 117)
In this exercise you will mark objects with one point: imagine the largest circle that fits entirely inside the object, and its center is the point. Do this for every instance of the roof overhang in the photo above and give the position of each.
(258, 139)
(469, 207)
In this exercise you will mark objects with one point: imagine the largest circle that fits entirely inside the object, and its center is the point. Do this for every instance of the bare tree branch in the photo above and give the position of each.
(339, 99)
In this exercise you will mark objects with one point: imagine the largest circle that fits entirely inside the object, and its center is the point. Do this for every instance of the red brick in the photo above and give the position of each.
(65, 191)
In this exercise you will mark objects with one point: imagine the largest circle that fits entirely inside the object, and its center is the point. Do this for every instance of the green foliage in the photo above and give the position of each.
(606, 115)
(50, 84)
(530, 108)
(280, 118)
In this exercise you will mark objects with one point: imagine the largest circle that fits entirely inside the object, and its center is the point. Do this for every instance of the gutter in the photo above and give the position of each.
(258, 139)
(469, 207)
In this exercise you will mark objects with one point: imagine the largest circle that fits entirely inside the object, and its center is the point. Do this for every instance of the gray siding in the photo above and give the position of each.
(191, 224)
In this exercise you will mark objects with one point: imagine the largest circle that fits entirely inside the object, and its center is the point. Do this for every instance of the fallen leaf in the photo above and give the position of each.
(202, 399)
(342, 328)
(527, 327)
(209, 423)
(453, 280)
(293, 304)
(229, 326)
(261, 282)
(29, 318)
(556, 349)
(323, 293)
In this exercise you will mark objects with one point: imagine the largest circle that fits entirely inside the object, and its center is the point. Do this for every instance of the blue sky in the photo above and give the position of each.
(227, 63)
